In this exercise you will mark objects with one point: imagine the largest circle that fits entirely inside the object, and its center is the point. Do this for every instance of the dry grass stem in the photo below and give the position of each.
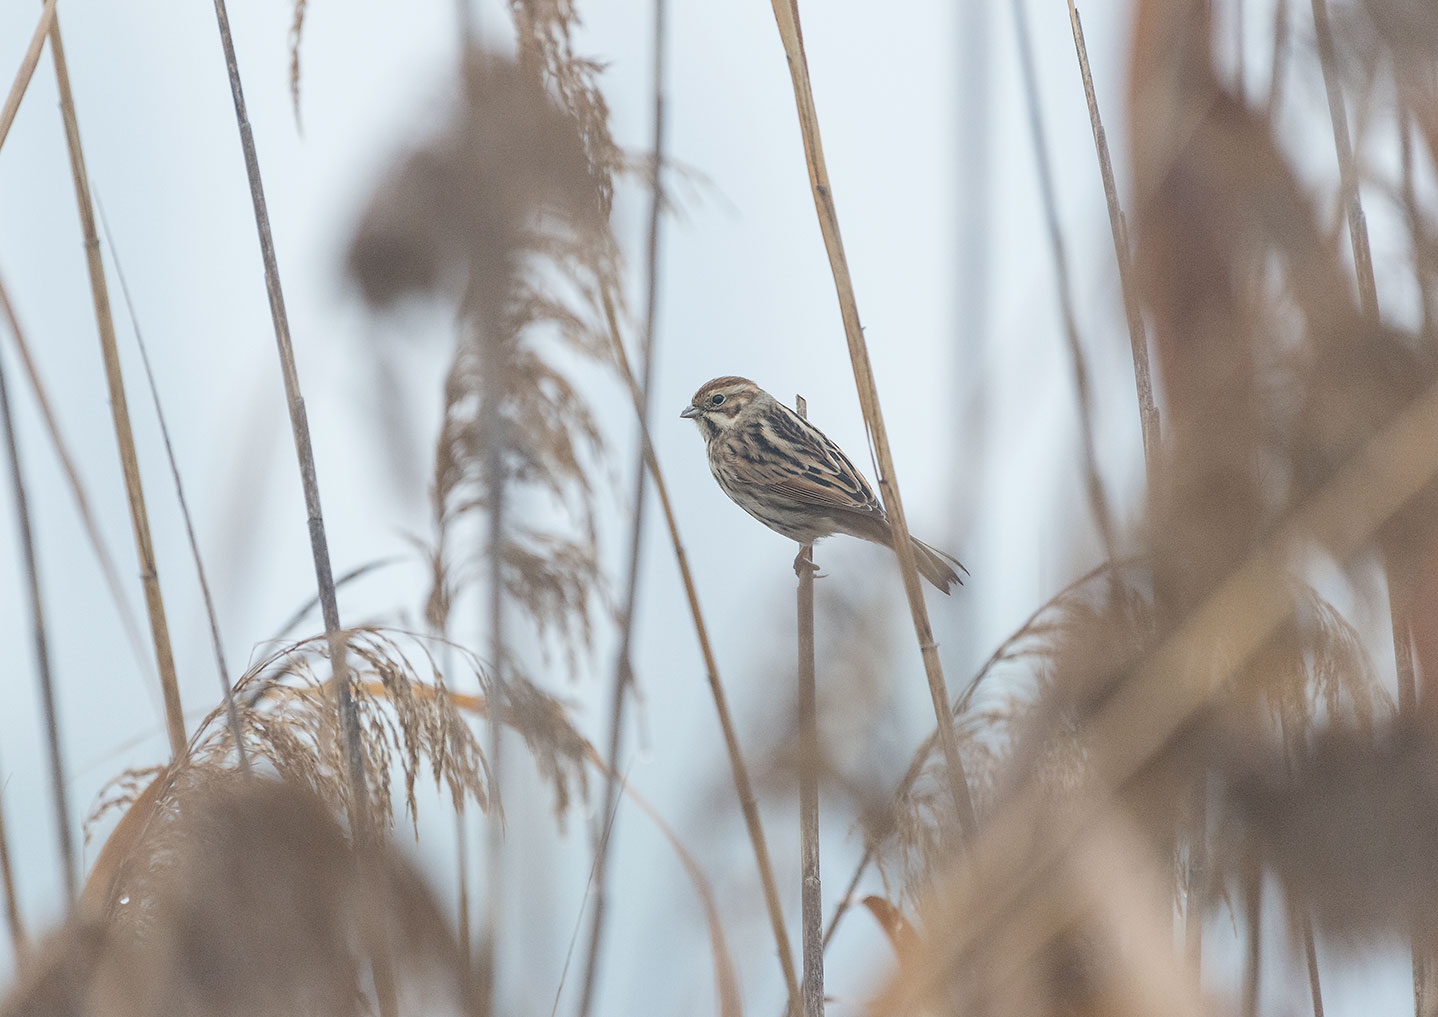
(786, 15)
(623, 668)
(119, 408)
(43, 675)
(1098, 500)
(27, 70)
(1137, 335)
(811, 896)
(13, 921)
(82, 500)
(739, 770)
(222, 672)
(299, 426)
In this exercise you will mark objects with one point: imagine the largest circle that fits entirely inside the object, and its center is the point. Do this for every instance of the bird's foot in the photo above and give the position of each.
(804, 562)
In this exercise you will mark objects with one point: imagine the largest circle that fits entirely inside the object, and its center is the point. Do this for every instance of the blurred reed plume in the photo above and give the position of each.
(505, 212)
(242, 896)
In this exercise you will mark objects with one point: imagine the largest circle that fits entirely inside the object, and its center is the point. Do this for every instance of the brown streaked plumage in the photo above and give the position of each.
(784, 472)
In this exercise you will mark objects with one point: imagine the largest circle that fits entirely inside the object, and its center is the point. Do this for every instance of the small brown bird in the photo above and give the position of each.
(780, 468)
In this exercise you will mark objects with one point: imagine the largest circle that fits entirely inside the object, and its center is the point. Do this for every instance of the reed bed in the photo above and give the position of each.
(1222, 727)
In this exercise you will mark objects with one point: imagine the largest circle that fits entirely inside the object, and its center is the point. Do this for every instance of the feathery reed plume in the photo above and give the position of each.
(241, 897)
(502, 212)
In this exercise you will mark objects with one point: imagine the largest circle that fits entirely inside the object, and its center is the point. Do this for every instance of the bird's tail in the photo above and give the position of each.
(936, 566)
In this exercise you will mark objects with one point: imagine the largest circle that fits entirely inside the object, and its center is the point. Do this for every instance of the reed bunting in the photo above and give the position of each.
(780, 468)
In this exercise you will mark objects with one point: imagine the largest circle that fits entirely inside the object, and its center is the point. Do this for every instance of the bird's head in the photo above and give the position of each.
(718, 403)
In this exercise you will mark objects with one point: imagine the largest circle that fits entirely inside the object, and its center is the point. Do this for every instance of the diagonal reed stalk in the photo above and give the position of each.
(299, 424)
(1423, 963)
(27, 69)
(373, 934)
(119, 409)
(226, 693)
(82, 505)
(624, 665)
(37, 621)
(1137, 335)
(743, 786)
(786, 15)
(1098, 500)
(811, 896)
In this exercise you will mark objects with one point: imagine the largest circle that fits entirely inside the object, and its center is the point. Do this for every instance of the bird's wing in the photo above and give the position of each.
(792, 456)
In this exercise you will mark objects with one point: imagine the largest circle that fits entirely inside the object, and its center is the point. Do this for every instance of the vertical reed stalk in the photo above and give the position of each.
(7, 887)
(27, 69)
(743, 786)
(1098, 500)
(1137, 335)
(496, 383)
(37, 621)
(624, 665)
(119, 409)
(812, 900)
(786, 15)
(1310, 952)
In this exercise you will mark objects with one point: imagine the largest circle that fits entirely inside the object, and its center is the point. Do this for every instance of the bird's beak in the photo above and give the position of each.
(690, 412)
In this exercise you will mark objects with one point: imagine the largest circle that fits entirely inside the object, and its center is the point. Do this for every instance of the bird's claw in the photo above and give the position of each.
(803, 562)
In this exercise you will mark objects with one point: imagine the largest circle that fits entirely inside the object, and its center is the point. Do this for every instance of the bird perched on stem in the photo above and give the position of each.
(784, 472)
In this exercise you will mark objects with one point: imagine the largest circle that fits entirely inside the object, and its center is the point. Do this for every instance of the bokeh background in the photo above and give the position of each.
(932, 167)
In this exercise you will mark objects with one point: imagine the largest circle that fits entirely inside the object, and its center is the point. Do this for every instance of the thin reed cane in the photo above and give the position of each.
(226, 693)
(811, 897)
(1137, 335)
(624, 667)
(1098, 500)
(119, 409)
(496, 383)
(786, 15)
(299, 424)
(82, 506)
(743, 786)
(27, 69)
(7, 887)
(37, 621)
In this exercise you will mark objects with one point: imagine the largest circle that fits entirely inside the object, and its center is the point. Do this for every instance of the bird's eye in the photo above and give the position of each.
(717, 399)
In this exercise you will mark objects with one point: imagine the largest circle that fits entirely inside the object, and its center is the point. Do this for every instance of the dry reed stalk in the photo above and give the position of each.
(494, 384)
(119, 409)
(961, 706)
(299, 425)
(1241, 614)
(811, 896)
(82, 503)
(37, 621)
(1310, 956)
(739, 770)
(786, 15)
(624, 667)
(13, 921)
(1137, 335)
(226, 693)
(1416, 229)
(27, 69)
(1098, 500)
(1253, 947)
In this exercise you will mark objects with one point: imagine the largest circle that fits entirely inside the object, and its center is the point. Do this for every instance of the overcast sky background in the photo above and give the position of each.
(746, 290)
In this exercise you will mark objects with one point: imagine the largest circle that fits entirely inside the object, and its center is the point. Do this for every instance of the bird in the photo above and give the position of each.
(787, 474)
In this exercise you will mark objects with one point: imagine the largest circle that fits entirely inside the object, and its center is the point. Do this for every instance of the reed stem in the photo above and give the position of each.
(811, 898)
